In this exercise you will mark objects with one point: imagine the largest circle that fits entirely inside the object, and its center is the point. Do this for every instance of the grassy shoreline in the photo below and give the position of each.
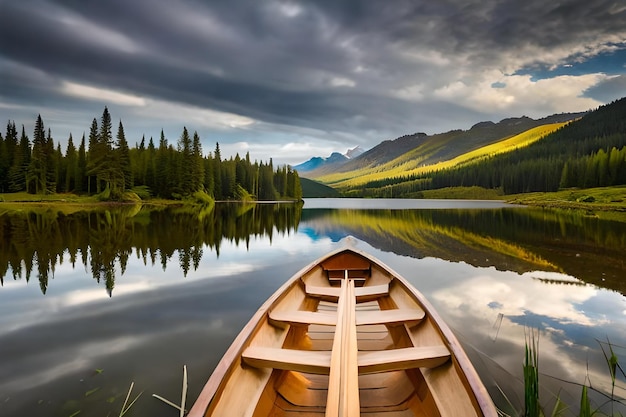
(604, 199)
(590, 200)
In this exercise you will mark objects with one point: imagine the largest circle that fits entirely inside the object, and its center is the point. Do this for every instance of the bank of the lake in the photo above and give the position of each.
(604, 202)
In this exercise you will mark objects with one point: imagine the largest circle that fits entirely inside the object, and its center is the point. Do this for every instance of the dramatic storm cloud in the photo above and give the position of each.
(294, 79)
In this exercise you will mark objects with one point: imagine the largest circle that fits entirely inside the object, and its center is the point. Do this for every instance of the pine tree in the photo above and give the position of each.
(81, 167)
(197, 166)
(217, 173)
(123, 159)
(71, 158)
(21, 162)
(51, 164)
(162, 173)
(60, 170)
(37, 170)
(8, 149)
(93, 158)
(151, 166)
(186, 162)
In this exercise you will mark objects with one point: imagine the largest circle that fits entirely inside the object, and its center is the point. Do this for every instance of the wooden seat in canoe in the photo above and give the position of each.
(323, 318)
(318, 362)
(309, 361)
(362, 294)
(389, 317)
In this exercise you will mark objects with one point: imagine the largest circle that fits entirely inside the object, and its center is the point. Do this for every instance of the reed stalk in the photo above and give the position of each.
(126, 408)
(181, 407)
(532, 406)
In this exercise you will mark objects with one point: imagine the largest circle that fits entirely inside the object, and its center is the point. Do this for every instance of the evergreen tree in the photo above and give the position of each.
(123, 159)
(8, 149)
(186, 163)
(93, 158)
(21, 162)
(217, 173)
(115, 167)
(71, 157)
(4, 165)
(60, 170)
(51, 165)
(151, 166)
(162, 168)
(81, 167)
(197, 166)
(37, 178)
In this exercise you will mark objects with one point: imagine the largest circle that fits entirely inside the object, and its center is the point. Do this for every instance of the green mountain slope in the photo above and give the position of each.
(314, 189)
(413, 164)
(558, 152)
(423, 149)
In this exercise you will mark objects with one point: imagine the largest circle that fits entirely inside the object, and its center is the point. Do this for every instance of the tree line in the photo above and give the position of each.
(107, 166)
(589, 152)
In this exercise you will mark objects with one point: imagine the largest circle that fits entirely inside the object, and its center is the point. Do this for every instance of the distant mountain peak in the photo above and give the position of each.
(335, 159)
(354, 152)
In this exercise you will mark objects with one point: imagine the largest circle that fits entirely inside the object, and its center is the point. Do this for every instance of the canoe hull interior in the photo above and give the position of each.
(345, 336)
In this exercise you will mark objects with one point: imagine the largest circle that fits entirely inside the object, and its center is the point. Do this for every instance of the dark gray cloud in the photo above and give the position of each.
(359, 71)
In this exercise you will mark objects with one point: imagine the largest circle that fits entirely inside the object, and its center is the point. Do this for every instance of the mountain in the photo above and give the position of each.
(430, 149)
(515, 155)
(314, 189)
(334, 161)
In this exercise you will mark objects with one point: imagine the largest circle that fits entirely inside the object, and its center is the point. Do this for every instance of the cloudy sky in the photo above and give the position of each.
(295, 79)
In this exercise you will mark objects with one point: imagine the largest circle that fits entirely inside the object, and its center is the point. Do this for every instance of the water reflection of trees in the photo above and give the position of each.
(520, 240)
(103, 240)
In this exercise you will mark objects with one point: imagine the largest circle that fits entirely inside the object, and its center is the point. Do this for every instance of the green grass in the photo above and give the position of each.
(605, 202)
(464, 193)
(532, 404)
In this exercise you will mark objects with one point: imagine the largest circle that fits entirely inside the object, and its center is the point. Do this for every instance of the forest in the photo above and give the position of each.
(112, 170)
(589, 152)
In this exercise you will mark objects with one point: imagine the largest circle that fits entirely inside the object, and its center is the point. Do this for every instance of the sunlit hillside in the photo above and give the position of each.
(412, 163)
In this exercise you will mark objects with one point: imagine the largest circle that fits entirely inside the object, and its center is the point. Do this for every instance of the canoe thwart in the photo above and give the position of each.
(304, 317)
(390, 317)
(404, 358)
(362, 294)
(318, 362)
(308, 361)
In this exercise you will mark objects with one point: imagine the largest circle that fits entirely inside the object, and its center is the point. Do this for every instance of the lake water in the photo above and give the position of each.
(93, 301)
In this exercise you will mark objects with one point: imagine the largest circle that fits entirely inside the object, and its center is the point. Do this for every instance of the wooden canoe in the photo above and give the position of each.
(345, 336)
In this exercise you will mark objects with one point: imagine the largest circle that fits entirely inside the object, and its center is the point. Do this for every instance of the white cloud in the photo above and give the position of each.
(519, 94)
(289, 9)
(192, 116)
(100, 94)
(342, 82)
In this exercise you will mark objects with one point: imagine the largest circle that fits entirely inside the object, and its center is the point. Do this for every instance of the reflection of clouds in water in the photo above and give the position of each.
(69, 359)
(517, 297)
(90, 295)
(571, 319)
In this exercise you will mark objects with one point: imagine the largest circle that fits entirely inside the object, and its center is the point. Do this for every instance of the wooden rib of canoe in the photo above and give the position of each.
(345, 336)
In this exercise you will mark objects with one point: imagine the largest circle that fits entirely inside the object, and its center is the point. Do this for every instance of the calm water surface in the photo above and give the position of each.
(93, 301)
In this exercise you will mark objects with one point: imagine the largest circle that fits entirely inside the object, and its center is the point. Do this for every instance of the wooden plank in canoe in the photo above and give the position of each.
(363, 294)
(318, 362)
(404, 358)
(314, 362)
(304, 317)
(390, 317)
